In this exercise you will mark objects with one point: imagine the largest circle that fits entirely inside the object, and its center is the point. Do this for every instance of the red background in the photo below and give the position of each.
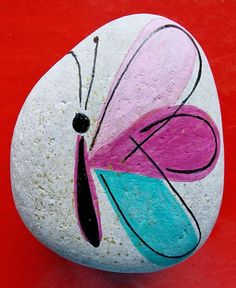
(36, 34)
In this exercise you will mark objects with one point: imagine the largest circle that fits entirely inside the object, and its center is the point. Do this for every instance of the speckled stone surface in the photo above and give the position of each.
(150, 214)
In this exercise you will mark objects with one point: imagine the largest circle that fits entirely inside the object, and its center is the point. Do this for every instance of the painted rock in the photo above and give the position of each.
(117, 154)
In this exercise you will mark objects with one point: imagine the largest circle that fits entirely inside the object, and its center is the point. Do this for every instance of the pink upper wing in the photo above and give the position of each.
(153, 74)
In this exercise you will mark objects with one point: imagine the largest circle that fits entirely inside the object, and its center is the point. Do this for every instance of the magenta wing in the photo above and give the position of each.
(183, 145)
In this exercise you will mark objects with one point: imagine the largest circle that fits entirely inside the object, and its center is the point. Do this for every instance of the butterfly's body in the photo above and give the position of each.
(85, 196)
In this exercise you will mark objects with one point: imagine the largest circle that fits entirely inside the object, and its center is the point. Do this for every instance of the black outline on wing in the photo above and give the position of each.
(139, 145)
(168, 118)
(175, 192)
(167, 26)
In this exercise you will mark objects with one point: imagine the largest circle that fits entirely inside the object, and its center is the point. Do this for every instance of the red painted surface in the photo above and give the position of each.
(36, 34)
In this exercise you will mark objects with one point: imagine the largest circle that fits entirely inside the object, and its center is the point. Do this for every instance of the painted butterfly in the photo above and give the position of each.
(143, 141)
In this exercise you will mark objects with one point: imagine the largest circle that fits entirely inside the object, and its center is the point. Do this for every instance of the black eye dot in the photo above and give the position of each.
(81, 123)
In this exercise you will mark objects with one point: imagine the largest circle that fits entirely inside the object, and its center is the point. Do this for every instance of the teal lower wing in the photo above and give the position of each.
(157, 223)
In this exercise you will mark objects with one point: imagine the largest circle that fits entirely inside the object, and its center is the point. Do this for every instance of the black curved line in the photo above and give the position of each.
(132, 228)
(187, 171)
(200, 169)
(96, 40)
(80, 78)
(182, 103)
(179, 197)
(127, 66)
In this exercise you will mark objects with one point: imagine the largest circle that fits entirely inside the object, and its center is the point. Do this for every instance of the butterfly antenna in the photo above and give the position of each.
(95, 40)
(79, 74)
